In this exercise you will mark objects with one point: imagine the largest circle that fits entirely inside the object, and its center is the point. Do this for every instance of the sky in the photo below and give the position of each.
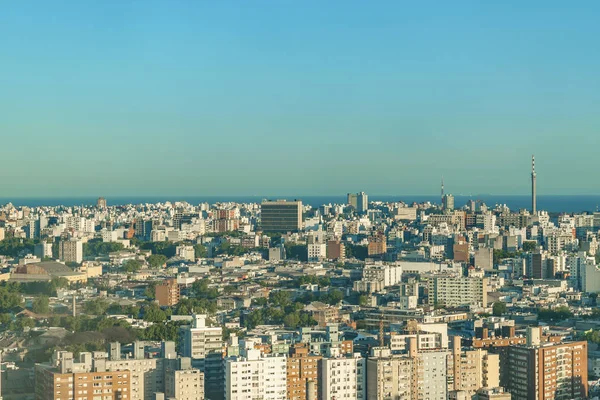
(122, 97)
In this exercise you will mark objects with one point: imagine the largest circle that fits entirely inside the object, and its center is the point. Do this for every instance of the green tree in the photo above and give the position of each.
(280, 298)
(13, 247)
(292, 320)
(41, 305)
(363, 300)
(96, 307)
(499, 309)
(9, 299)
(156, 261)
(200, 251)
(132, 266)
(529, 246)
(153, 313)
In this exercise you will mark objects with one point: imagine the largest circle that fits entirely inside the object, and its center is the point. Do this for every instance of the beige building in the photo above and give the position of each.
(167, 293)
(451, 291)
(472, 369)
(70, 251)
(390, 376)
(302, 373)
(182, 382)
(66, 379)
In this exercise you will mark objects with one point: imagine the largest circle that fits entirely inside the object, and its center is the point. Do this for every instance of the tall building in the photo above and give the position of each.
(390, 376)
(343, 377)
(302, 373)
(448, 202)
(86, 378)
(453, 291)
(182, 382)
(473, 369)
(336, 250)
(538, 371)
(254, 375)
(167, 293)
(70, 251)
(359, 201)
(533, 187)
(281, 216)
(204, 345)
(101, 203)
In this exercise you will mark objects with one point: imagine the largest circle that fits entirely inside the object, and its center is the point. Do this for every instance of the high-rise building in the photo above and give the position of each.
(302, 373)
(70, 251)
(204, 344)
(359, 201)
(167, 293)
(448, 202)
(101, 203)
(533, 187)
(281, 216)
(390, 376)
(451, 291)
(473, 369)
(343, 377)
(539, 371)
(84, 379)
(255, 375)
(182, 382)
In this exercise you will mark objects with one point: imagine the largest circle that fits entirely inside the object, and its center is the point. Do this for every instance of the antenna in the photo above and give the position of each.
(442, 188)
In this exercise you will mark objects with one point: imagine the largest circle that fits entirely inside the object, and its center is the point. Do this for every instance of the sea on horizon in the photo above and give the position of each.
(550, 203)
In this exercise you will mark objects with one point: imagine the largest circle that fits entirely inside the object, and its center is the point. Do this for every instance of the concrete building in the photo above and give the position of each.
(42, 250)
(453, 291)
(343, 377)
(167, 293)
(336, 250)
(185, 252)
(448, 202)
(255, 375)
(302, 373)
(538, 371)
(473, 369)
(70, 251)
(281, 216)
(85, 378)
(182, 382)
(390, 376)
(204, 345)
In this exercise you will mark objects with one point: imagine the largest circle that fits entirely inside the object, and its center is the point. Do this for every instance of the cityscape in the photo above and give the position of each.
(299, 200)
(281, 300)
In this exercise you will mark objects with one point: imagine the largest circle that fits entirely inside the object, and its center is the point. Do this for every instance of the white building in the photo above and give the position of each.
(253, 375)
(317, 251)
(343, 378)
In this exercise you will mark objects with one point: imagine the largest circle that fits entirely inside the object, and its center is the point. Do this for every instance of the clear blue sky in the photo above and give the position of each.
(118, 97)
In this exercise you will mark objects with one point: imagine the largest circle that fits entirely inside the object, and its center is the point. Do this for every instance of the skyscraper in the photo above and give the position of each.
(533, 188)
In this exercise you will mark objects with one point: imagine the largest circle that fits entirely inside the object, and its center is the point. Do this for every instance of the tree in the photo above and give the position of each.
(132, 266)
(499, 308)
(153, 313)
(13, 247)
(156, 261)
(200, 251)
(280, 298)
(291, 320)
(96, 307)
(96, 247)
(529, 246)
(9, 299)
(41, 305)
(363, 300)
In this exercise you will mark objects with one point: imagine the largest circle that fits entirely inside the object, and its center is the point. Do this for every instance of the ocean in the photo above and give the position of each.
(550, 203)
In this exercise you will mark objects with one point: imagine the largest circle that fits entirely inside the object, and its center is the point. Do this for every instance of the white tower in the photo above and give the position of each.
(533, 188)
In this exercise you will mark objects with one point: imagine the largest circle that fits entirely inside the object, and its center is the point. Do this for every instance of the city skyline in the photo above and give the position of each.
(114, 98)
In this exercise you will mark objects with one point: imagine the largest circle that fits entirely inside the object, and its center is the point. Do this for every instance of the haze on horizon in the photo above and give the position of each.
(311, 98)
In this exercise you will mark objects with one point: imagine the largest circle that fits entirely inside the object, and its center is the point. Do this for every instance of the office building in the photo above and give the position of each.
(281, 216)
(167, 293)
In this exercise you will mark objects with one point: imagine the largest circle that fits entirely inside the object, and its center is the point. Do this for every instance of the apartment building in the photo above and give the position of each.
(343, 377)
(255, 375)
(66, 378)
(472, 369)
(453, 291)
(167, 293)
(390, 376)
(302, 373)
(540, 371)
(70, 251)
